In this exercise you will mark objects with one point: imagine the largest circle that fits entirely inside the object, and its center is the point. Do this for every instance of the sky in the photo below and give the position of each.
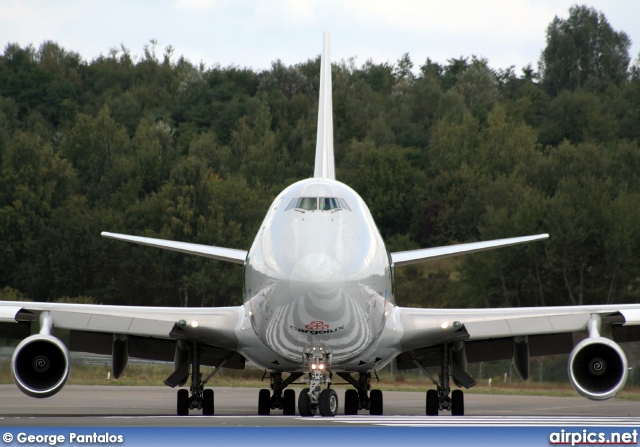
(253, 34)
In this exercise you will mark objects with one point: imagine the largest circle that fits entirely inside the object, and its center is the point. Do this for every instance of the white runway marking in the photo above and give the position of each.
(489, 421)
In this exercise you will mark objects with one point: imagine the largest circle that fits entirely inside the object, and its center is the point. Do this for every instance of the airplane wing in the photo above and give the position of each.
(208, 251)
(152, 331)
(423, 327)
(41, 363)
(491, 334)
(401, 258)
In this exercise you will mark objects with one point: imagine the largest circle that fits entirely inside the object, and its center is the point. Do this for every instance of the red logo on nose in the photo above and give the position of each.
(317, 325)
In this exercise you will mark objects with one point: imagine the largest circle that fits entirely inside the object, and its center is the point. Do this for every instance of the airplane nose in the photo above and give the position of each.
(320, 277)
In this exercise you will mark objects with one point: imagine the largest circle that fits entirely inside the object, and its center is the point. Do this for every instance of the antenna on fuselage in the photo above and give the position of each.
(324, 167)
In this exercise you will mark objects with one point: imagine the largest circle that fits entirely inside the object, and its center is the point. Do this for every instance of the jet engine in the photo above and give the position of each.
(40, 365)
(597, 368)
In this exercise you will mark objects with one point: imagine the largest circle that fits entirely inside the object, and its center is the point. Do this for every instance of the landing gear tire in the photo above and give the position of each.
(289, 404)
(457, 403)
(433, 403)
(207, 403)
(304, 404)
(375, 403)
(351, 402)
(264, 402)
(328, 403)
(183, 403)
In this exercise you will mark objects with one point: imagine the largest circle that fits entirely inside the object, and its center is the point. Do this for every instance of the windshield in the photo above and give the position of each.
(318, 203)
(307, 203)
(328, 203)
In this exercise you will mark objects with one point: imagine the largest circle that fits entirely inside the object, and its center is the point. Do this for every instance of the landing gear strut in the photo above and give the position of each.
(443, 398)
(363, 397)
(282, 399)
(314, 398)
(197, 398)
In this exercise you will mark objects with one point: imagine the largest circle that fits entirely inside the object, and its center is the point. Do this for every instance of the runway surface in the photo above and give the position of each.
(122, 406)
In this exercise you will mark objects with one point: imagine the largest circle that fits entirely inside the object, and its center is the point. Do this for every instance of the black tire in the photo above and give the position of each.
(457, 403)
(351, 402)
(183, 403)
(304, 404)
(289, 404)
(375, 403)
(264, 402)
(328, 403)
(207, 402)
(433, 402)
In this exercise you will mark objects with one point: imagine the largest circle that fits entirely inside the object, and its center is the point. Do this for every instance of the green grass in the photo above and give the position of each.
(141, 374)
(153, 375)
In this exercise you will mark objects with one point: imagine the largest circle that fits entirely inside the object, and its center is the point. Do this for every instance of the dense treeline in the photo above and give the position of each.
(442, 153)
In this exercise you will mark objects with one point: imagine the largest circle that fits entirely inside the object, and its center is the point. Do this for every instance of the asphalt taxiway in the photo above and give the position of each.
(99, 406)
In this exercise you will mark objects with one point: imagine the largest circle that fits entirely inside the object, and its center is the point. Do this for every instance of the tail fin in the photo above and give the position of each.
(324, 167)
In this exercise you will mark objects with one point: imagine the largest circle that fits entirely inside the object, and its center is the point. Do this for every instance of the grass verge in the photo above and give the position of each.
(150, 375)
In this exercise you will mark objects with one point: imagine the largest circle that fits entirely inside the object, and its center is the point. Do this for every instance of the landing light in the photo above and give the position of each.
(444, 325)
(314, 366)
(194, 324)
(321, 366)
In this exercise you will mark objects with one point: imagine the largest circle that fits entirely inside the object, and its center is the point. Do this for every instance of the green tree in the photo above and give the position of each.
(478, 84)
(583, 51)
(578, 116)
(402, 72)
(100, 151)
(504, 145)
(35, 182)
(387, 182)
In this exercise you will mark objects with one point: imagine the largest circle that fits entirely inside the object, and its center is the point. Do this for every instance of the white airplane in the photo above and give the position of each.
(319, 303)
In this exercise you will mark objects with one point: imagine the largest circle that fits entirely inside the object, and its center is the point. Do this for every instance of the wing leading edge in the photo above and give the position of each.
(207, 251)
(489, 333)
(217, 322)
(152, 331)
(424, 326)
(401, 258)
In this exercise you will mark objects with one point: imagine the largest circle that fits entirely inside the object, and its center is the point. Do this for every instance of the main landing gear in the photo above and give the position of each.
(314, 399)
(282, 399)
(197, 397)
(363, 397)
(442, 398)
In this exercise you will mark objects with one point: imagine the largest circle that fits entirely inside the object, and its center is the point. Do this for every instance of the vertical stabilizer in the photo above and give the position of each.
(324, 167)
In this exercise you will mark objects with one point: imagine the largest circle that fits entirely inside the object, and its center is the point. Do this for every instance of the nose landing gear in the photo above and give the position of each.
(314, 398)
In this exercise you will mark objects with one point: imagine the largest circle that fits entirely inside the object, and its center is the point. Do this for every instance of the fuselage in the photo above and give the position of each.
(317, 276)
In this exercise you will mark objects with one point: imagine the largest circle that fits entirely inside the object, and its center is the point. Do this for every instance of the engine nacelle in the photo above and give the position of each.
(597, 368)
(40, 365)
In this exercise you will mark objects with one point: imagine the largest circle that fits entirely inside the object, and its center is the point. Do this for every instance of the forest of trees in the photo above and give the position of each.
(442, 153)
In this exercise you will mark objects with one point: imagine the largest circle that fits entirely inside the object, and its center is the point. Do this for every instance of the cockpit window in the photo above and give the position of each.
(307, 203)
(292, 204)
(343, 204)
(318, 203)
(328, 203)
